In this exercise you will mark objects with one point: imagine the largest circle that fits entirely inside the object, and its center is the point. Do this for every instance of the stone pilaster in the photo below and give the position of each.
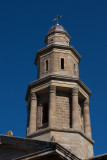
(75, 109)
(52, 106)
(86, 114)
(33, 110)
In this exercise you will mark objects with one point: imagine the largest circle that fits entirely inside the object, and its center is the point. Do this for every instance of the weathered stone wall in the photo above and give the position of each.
(69, 62)
(54, 64)
(58, 38)
(42, 69)
(44, 137)
(73, 142)
(63, 115)
(63, 109)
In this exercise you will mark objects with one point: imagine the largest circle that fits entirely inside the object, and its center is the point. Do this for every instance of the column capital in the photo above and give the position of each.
(33, 96)
(75, 91)
(52, 88)
(86, 102)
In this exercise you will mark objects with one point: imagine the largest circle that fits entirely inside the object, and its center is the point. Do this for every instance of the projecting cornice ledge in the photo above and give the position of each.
(64, 32)
(56, 77)
(69, 130)
(50, 47)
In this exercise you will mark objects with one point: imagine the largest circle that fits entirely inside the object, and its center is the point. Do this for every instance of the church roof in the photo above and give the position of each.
(16, 148)
(100, 157)
(21, 148)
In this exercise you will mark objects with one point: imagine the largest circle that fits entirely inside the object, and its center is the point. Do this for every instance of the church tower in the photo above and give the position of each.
(58, 101)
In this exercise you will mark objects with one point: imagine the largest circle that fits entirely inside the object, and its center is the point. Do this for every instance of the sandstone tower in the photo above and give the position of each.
(58, 101)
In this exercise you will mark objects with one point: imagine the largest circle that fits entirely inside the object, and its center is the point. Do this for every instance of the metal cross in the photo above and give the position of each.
(56, 18)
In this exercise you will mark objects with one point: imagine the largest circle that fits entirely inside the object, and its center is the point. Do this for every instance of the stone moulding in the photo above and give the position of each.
(64, 32)
(71, 130)
(56, 77)
(50, 47)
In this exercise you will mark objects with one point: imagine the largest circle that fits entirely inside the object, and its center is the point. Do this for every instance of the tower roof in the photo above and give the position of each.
(57, 27)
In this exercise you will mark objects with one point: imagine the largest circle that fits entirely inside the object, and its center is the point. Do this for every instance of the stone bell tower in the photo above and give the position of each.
(58, 101)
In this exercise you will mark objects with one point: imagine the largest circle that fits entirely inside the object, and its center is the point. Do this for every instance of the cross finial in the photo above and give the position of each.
(56, 18)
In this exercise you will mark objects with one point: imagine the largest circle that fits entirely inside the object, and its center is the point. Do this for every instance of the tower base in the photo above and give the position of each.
(73, 140)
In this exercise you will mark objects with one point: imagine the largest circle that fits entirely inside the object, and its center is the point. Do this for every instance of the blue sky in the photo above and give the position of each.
(23, 27)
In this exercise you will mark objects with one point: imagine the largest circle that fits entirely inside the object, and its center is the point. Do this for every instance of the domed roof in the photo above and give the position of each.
(57, 27)
(54, 38)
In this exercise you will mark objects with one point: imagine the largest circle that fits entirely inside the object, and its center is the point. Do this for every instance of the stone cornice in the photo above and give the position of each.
(63, 32)
(56, 77)
(69, 130)
(50, 47)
